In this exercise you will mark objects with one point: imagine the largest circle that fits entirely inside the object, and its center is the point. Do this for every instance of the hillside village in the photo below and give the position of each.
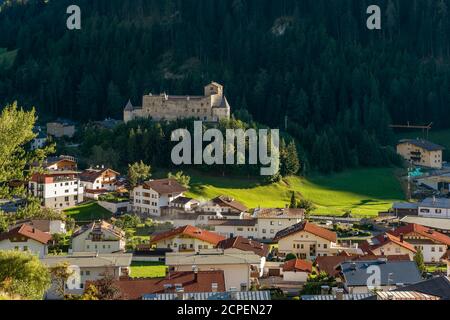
(149, 240)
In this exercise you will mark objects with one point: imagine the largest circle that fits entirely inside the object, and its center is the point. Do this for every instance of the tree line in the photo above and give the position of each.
(312, 64)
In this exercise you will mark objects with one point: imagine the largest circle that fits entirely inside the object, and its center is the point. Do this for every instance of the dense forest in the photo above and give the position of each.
(312, 62)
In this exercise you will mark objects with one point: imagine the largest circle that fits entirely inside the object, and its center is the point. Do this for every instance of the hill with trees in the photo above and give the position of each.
(315, 62)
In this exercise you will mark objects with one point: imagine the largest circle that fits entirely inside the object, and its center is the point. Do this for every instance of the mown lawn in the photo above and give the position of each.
(148, 270)
(88, 212)
(363, 191)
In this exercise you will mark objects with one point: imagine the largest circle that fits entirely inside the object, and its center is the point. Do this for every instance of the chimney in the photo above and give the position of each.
(340, 294)
(180, 293)
(214, 287)
(195, 270)
(402, 237)
(324, 290)
(167, 288)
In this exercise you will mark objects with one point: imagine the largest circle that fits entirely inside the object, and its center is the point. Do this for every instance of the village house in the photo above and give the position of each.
(88, 267)
(60, 163)
(25, 238)
(100, 237)
(241, 244)
(272, 221)
(331, 264)
(307, 241)
(57, 189)
(421, 152)
(393, 274)
(211, 107)
(173, 283)
(238, 267)
(184, 204)
(434, 208)
(61, 128)
(433, 244)
(186, 239)
(47, 226)
(40, 140)
(296, 270)
(223, 205)
(150, 197)
(388, 244)
(231, 228)
(98, 181)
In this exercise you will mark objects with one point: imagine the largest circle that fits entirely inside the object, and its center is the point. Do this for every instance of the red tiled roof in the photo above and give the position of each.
(26, 231)
(163, 186)
(308, 227)
(329, 264)
(423, 232)
(134, 289)
(297, 265)
(384, 239)
(245, 244)
(189, 231)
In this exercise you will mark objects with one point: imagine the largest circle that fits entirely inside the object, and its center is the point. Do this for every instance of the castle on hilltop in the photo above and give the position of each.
(211, 107)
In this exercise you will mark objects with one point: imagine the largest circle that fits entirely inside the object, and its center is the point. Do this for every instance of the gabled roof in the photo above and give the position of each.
(439, 287)
(189, 231)
(244, 244)
(356, 273)
(164, 186)
(307, 227)
(384, 239)
(330, 264)
(98, 227)
(286, 213)
(183, 200)
(91, 175)
(297, 265)
(424, 144)
(422, 231)
(26, 231)
(135, 289)
(229, 202)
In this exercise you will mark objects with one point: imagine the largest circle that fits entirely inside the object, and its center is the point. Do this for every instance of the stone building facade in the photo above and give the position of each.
(211, 107)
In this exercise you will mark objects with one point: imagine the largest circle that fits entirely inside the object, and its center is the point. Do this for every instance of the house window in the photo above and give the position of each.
(433, 249)
(25, 248)
(325, 246)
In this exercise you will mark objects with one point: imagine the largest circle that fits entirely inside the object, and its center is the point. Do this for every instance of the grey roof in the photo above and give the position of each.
(90, 259)
(424, 144)
(233, 222)
(183, 200)
(129, 106)
(405, 272)
(212, 256)
(405, 205)
(435, 203)
(439, 287)
(241, 295)
(357, 296)
(434, 223)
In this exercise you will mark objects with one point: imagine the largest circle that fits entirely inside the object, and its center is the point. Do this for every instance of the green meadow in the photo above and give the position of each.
(363, 191)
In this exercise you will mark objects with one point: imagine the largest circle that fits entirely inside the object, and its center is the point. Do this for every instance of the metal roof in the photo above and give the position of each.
(357, 273)
(435, 223)
(241, 295)
(424, 144)
(357, 296)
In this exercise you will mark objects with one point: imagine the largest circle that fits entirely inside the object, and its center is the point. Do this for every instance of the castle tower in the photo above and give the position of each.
(213, 88)
(128, 112)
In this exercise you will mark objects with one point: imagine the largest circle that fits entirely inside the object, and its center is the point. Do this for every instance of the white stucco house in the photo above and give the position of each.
(100, 237)
(296, 270)
(25, 238)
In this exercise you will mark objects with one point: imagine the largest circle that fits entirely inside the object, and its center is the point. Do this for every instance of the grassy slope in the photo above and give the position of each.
(88, 212)
(364, 191)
